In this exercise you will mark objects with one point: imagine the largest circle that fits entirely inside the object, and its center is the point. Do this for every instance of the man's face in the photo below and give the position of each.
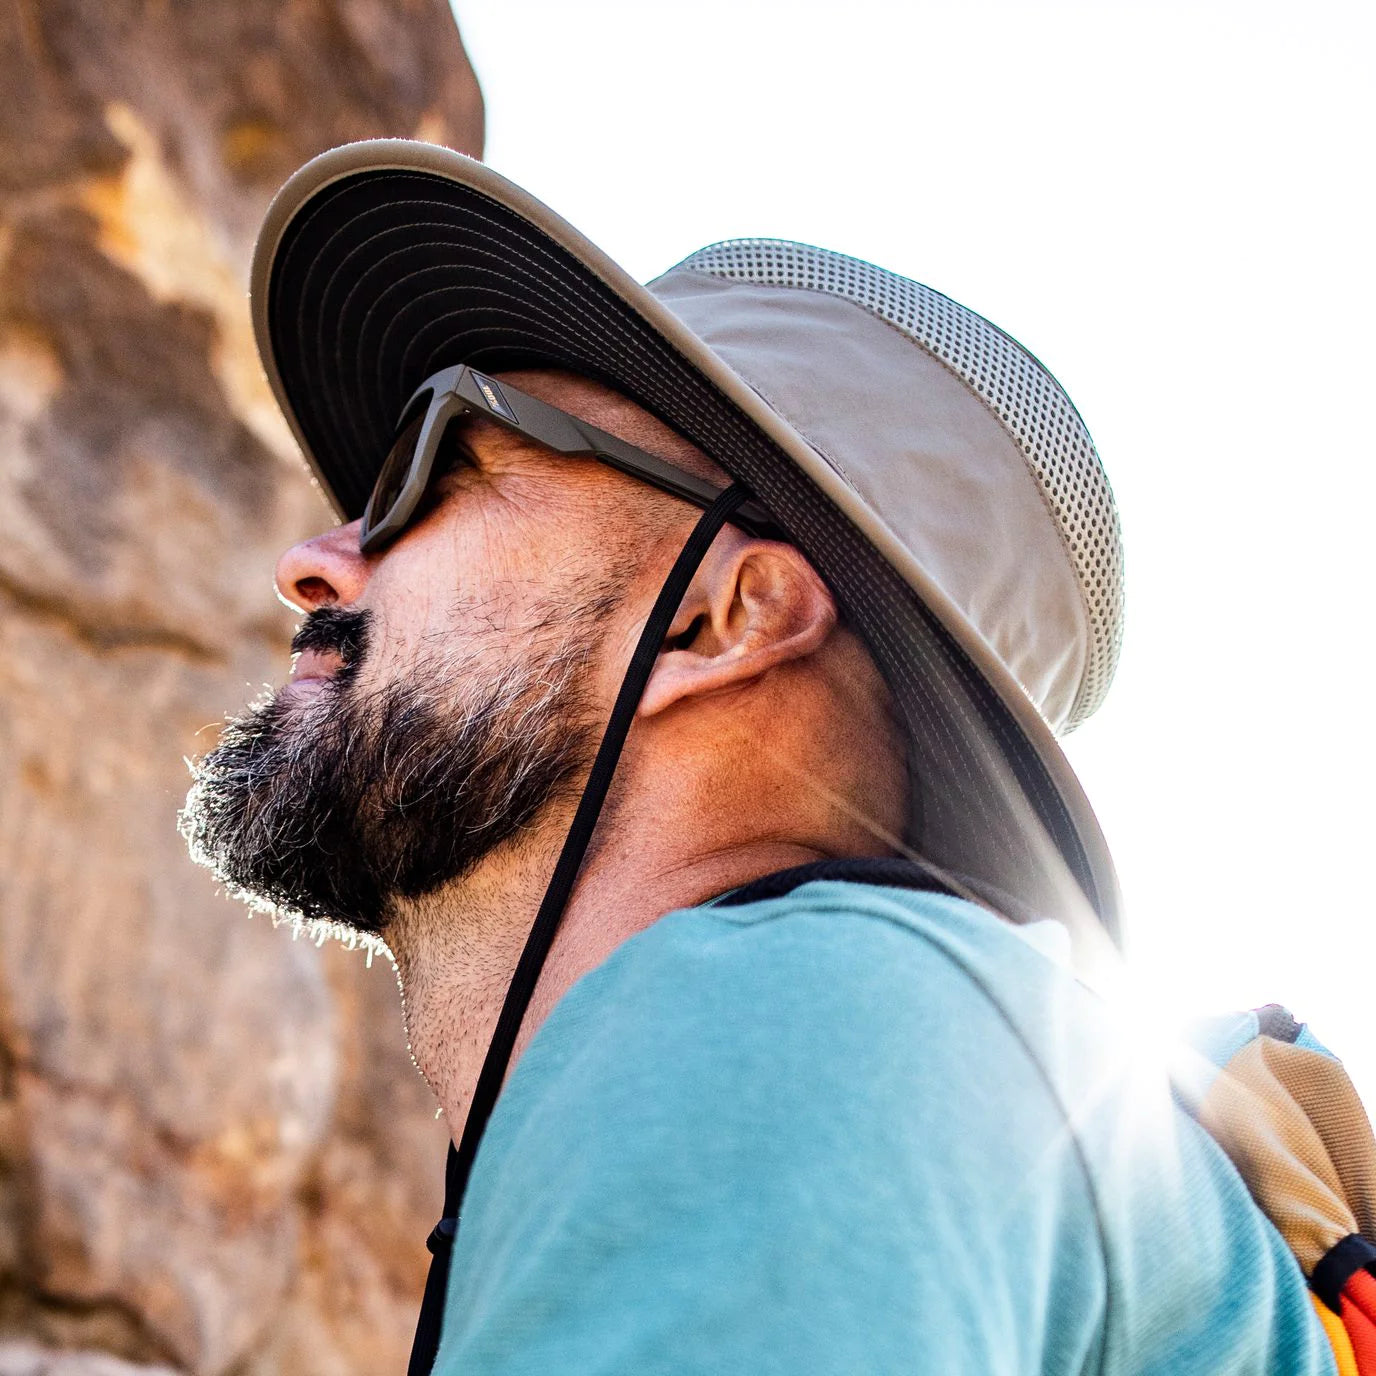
(448, 690)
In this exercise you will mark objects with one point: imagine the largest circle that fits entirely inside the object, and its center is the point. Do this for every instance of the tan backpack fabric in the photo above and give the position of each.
(1287, 1115)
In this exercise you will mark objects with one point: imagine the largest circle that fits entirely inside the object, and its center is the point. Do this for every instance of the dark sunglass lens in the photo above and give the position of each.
(396, 467)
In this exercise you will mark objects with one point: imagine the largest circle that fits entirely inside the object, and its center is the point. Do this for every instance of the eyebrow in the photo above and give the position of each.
(500, 437)
(462, 427)
(460, 433)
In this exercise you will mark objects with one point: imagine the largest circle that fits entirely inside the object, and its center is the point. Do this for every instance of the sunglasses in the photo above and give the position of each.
(447, 396)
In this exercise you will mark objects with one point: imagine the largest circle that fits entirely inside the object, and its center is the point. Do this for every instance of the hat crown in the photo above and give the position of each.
(1014, 387)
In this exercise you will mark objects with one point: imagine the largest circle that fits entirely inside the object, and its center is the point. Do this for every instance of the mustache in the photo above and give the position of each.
(335, 630)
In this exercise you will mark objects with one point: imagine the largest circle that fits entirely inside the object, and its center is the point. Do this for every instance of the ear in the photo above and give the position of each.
(752, 605)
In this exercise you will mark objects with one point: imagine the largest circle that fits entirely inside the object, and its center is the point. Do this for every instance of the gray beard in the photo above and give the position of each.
(334, 810)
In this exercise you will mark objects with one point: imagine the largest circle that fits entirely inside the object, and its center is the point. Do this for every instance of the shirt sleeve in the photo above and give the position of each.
(804, 1145)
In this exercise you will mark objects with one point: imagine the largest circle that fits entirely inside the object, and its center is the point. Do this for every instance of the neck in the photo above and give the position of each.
(456, 952)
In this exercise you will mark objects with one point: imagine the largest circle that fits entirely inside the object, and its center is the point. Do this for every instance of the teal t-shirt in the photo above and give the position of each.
(856, 1130)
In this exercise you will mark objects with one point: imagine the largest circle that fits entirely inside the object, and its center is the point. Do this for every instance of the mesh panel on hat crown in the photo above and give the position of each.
(1030, 404)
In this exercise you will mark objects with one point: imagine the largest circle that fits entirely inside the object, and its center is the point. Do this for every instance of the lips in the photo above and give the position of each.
(311, 665)
(327, 647)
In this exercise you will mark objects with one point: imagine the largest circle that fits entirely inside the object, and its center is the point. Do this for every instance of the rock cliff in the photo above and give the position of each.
(215, 1156)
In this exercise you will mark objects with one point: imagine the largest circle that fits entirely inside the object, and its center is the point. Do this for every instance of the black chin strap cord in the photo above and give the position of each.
(523, 982)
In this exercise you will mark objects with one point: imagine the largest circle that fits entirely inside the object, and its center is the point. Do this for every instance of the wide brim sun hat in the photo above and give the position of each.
(931, 469)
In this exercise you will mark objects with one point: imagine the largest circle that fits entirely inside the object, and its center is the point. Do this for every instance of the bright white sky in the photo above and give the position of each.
(1171, 205)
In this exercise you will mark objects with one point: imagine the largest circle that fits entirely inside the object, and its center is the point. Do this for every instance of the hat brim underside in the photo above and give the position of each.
(384, 276)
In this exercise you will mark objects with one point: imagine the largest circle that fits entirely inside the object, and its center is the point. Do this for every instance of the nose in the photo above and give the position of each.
(325, 571)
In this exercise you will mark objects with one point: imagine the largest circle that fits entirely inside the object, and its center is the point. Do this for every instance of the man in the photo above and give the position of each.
(768, 1032)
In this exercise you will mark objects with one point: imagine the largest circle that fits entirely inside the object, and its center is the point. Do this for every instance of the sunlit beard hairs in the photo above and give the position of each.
(332, 811)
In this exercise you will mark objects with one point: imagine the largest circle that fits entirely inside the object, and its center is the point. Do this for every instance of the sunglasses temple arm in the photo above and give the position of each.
(565, 434)
(636, 463)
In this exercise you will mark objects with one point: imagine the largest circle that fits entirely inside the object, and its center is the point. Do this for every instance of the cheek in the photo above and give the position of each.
(482, 572)
(411, 597)
(447, 589)
(620, 633)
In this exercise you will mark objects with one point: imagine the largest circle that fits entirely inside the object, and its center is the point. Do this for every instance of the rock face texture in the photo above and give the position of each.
(214, 1153)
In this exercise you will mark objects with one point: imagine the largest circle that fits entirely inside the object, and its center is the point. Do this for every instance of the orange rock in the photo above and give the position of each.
(214, 1151)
